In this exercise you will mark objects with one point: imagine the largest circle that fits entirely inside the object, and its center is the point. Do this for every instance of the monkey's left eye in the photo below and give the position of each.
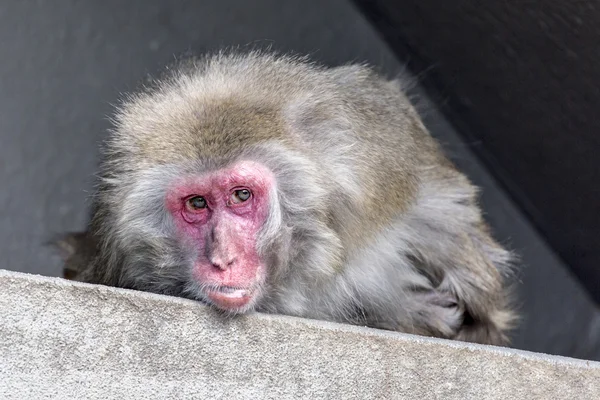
(241, 195)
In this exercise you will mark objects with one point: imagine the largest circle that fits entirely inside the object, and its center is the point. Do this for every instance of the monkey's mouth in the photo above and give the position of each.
(230, 298)
(230, 291)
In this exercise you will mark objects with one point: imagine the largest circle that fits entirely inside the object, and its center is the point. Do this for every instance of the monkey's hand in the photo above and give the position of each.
(434, 313)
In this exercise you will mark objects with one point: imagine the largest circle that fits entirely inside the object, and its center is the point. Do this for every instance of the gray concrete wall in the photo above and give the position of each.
(65, 340)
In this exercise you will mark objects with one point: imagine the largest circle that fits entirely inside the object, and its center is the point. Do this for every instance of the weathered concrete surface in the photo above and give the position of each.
(75, 341)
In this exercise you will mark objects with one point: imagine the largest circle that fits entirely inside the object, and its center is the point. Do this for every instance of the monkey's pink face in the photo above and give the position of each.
(221, 214)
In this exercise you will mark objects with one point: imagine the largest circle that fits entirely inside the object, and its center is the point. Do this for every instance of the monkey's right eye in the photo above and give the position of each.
(196, 203)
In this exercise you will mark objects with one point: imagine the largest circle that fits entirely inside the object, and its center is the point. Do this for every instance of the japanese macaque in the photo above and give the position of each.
(261, 182)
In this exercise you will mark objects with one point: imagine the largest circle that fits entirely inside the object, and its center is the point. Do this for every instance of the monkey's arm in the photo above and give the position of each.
(451, 245)
(77, 249)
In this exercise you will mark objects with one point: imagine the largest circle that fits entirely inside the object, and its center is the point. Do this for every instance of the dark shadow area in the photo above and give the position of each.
(522, 82)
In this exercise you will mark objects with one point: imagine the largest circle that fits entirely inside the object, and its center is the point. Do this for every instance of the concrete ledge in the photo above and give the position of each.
(67, 340)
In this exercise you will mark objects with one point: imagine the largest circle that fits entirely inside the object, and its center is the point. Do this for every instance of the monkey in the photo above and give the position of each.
(265, 182)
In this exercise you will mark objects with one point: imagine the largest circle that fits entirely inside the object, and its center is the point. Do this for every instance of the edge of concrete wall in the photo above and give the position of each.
(61, 339)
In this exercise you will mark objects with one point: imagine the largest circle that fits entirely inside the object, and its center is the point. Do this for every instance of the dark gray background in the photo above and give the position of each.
(521, 79)
(62, 64)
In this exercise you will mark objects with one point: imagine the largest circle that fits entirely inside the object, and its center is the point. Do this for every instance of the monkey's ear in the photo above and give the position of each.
(75, 248)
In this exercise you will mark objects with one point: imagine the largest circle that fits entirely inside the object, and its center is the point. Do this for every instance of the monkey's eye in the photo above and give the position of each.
(241, 195)
(196, 203)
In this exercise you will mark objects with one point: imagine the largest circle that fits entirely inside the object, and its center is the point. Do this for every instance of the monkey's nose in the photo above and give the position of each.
(222, 265)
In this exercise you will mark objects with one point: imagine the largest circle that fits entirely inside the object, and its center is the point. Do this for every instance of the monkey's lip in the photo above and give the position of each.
(229, 297)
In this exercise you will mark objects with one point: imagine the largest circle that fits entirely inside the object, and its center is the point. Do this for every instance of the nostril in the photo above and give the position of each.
(222, 265)
(217, 266)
